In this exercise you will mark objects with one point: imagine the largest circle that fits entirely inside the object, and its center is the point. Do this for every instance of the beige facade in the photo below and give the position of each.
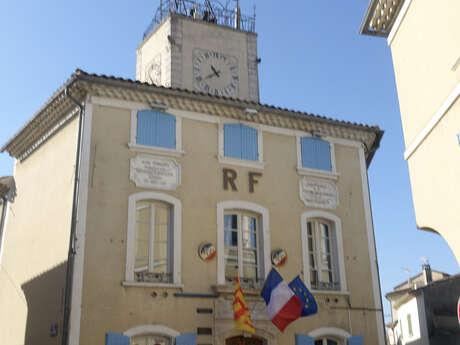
(143, 208)
(36, 240)
(110, 303)
(424, 38)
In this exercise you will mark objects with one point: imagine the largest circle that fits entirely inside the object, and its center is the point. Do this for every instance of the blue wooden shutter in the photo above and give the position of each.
(249, 147)
(155, 128)
(355, 340)
(146, 127)
(240, 142)
(186, 339)
(316, 153)
(302, 339)
(232, 140)
(116, 339)
(166, 130)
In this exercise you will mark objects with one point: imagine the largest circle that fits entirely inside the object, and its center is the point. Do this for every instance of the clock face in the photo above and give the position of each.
(215, 73)
(153, 71)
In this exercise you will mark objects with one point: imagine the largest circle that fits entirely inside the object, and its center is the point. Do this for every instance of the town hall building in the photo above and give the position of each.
(138, 201)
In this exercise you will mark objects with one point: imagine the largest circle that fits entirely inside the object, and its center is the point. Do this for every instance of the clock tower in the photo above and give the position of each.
(201, 47)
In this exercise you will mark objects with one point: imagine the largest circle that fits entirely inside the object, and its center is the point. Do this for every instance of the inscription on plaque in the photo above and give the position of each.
(318, 193)
(155, 172)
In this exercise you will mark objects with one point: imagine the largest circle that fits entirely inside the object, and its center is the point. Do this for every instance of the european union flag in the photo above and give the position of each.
(309, 306)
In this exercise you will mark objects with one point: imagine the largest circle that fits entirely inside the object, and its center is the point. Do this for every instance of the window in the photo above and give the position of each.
(153, 239)
(326, 341)
(242, 250)
(333, 336)
(156, 128)
(409, 325)
(400, 328)
(316, 153)
(151, 335)
(323, 251)
(243, 242)
(241, 142)
(150, 340)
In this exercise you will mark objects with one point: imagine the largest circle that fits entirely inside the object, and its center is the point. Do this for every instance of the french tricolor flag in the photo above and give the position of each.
(283, 305)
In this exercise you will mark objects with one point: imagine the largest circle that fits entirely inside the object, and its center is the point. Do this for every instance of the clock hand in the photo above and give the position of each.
(210, 76)
(217, 73)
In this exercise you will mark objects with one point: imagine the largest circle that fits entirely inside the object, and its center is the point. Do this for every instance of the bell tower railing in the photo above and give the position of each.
(209, 11)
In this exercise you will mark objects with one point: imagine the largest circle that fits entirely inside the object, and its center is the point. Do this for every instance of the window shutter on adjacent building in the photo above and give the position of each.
(116, 339)
(240, 141)
(355, 340)
(155, 128)
(316, 153)
(185, 339)
(303, 339)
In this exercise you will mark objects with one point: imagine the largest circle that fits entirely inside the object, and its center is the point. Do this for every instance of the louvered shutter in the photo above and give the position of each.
(166, 130)
(232, 140)
(316, 153)
(186, 339)
(303, 339)
(147, 123)
(249, 149)
(355, 340)
(155, 128)
(116, 339)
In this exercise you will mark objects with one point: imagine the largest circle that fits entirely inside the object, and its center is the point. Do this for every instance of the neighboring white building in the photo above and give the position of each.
(424, 310)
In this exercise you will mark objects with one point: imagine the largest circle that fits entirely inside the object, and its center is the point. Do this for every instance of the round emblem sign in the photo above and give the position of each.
(207, 251)
(458, 310)
(279, 257)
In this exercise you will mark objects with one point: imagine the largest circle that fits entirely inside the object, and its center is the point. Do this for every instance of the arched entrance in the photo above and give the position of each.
(240, 340)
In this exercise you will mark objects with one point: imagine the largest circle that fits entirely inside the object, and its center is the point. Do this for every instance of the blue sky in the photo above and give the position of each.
(313, 59)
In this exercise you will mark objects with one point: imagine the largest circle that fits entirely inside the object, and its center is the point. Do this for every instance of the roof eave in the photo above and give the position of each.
(58, 99)
(366, 29)
(53, 97)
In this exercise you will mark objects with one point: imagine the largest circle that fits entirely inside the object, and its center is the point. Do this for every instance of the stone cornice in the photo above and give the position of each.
(59, 110)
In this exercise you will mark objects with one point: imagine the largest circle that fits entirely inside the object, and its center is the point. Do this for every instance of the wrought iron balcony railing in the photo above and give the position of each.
(211, 12)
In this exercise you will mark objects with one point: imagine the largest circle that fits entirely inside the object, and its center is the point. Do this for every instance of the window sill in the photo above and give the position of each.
(241, 162)
(155, 150)
(330, 292)
(318, 173)
(230, 289)
(156, 285)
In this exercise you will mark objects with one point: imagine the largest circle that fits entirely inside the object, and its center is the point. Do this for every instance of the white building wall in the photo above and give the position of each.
(422, 319)
(413, 308)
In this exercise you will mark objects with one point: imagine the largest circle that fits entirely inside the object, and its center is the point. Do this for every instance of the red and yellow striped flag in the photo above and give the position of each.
(241, 312)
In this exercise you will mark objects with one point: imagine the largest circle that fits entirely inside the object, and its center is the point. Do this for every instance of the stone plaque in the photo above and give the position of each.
(155, 172)
(318, 193)
(224, 309)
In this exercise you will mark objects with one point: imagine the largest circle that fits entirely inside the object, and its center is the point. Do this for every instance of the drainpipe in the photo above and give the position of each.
(376, 259)
(72, 238)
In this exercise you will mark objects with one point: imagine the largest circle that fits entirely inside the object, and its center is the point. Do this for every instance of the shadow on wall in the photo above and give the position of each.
(437, 340)
(441, 308)
(45, 302)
